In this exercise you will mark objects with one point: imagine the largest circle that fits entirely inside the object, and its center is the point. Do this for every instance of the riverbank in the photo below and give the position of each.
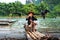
(24, 16)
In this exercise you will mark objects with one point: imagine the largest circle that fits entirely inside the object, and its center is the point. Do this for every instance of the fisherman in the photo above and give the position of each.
(30, 18)
(44, 12)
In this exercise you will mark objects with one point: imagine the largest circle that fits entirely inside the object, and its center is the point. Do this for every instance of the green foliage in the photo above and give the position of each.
(43, 5)
(30, 7)
(6, 9)
(16, 8)
(57, 9)
(52, 3)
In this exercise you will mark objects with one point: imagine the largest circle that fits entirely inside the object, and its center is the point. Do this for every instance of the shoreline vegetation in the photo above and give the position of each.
(37, 16)
(18, 9)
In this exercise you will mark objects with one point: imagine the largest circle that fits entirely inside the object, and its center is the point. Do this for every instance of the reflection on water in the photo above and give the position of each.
(46, 23)
(49, 24)
(12, 31)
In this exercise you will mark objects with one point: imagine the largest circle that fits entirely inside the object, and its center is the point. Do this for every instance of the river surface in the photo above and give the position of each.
(50, 25)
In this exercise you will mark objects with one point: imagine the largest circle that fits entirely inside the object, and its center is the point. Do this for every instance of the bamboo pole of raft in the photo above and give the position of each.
(30, 33)
(32, 36)
(35, 35)
(39, 34)
(28, 37)
(27, 32)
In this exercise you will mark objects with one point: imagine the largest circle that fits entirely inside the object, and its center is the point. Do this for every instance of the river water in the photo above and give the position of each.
(50, 25)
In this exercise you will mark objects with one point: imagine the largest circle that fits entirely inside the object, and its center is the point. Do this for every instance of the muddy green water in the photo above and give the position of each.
(51, 25)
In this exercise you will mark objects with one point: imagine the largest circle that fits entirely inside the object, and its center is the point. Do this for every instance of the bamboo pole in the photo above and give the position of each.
(40, 34)
(32, 36)
(35, 35)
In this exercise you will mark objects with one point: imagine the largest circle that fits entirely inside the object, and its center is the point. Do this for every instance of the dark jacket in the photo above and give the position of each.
(30, 18)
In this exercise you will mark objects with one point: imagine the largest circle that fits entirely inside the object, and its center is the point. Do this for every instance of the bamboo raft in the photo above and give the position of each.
(33, 35)
(37, 35)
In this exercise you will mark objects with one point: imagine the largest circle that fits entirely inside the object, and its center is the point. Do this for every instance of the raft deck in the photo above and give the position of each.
(33, 35)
